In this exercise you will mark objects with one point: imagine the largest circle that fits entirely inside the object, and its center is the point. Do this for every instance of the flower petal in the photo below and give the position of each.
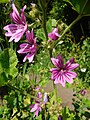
(55, 62)
(24, 49)
(22, 14)
(15, 15)
(35, 107)
(29, 57)
(54, 34)
(17, 36)
(36, 113)
(62, 80)
(30, 36)
(54, 73)
(61, 62)
(39, 95)
(71, 74)
(72, 66)
(11, 28)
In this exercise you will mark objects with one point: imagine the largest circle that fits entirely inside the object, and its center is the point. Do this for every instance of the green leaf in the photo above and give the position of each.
(51, 23)
(40, 34)
(4, 1)
(81, 6)
(8, 62)
(3, 79)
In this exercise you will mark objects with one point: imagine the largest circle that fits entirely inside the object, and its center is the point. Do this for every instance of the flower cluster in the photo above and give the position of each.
(53, 35)
(17, 30)
(37, 106)
(29, 48)
(63, 72)
(39, 102)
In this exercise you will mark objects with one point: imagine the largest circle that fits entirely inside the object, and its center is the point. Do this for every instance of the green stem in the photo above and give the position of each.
(68, 28)
(24, 68)
(19, 90)
(41, 2)
(11, 45)
(54, 86)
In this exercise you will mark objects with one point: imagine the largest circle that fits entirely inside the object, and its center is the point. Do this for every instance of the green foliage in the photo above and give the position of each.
(8, 62)
(4, 1)
(81, 6)
(22, 83)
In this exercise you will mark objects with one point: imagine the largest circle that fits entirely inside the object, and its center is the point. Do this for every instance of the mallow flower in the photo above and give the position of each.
(36, 108)
(39, 103)
(63, 73)
(54, 34)
(29, 48)
(17, 30)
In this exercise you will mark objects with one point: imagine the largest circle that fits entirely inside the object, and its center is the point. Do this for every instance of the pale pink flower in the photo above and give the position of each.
(63, 72)
(29, 48)
(54, 34)
(36, 108)
(17, 30)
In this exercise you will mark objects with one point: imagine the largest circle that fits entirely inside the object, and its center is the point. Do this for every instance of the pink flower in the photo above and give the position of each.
(37, 106)
(29, 48)
(16, 31)
(83, 92)
(54, 34)
(63, 73)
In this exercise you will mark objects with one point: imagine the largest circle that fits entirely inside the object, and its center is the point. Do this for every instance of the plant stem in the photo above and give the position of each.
(54, 86)
(24, 68)
(68, 28)
(19, 90)
(41, 2)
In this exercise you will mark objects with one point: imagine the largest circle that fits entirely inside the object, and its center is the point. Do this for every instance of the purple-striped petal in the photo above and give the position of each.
(61, 62)
(29, 57)
(39, 95)
(55, 62)
(22, 14)
(72, 66)
(54, 74)
(36, 113)
(24, 49)
(30, 36)
(18, 34)
(71, 74)
(62, 80)
(23, 45)
(15, 15)
(68, 78)
(54, 34)
(35, 107)
(11, 28)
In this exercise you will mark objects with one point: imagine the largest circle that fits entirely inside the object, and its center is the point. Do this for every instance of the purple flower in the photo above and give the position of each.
(45, 98)
(54, 34)
(63, 73)
(16, 31)
(29, 48)
(60, 117)
(83, 92)
(37, 106)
